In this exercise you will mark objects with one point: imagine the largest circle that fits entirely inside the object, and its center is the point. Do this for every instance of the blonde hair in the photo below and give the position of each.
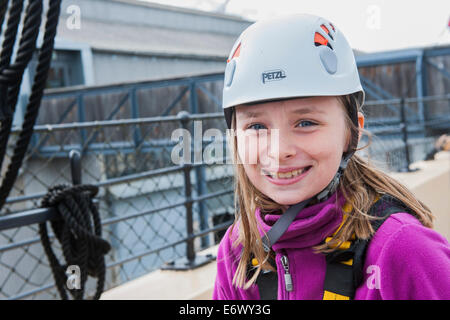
(360, 184)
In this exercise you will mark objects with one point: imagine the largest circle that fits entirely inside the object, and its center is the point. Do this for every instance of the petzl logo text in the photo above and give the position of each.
(273, 75)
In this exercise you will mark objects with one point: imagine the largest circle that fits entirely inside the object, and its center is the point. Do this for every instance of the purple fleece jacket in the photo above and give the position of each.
(404, 260)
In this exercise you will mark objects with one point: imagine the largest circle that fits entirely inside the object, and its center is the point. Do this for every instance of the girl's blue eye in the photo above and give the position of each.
(256, 126)
(303, 123)
(308, 123)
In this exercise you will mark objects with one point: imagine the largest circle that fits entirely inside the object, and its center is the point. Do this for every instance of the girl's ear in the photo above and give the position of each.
(361, 124)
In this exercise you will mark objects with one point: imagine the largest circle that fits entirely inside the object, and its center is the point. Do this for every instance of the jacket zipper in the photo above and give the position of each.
(287, 276)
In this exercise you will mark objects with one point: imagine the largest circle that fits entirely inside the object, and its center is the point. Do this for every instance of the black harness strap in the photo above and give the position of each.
(267, 283)
(282, 224)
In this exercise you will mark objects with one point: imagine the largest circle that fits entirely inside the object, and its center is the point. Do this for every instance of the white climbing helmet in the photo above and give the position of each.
(298, 55)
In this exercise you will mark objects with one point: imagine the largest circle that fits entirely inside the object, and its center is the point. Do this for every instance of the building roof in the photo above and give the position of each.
(144, 28)
(146, 40)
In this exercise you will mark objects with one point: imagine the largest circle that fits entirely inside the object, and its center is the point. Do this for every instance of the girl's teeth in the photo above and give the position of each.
(287, 175)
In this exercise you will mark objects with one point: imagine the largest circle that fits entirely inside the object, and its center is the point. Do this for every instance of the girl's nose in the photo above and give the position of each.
(282, 147)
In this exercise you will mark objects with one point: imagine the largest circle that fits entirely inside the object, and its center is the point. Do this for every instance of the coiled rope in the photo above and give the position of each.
(79, 232)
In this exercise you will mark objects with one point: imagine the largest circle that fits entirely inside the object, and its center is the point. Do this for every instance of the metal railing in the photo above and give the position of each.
(150, 216)
(404, 136)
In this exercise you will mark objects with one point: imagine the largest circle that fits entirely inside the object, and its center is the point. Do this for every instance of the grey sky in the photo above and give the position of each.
(369, 25)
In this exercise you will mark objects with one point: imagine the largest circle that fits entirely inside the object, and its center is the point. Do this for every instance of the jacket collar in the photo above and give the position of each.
(311, 225)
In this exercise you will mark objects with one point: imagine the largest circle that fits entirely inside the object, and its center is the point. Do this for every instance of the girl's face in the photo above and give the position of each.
(298, 160)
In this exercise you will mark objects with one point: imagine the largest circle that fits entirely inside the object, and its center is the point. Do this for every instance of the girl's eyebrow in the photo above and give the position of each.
(303, 110)
(308, 110)
(251, 114)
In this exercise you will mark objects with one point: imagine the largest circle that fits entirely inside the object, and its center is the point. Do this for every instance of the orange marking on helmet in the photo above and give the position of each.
(318, 38)
(325, 28)
(236, 53)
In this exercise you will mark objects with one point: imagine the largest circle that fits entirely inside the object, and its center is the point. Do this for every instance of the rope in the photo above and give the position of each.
(80, 237)
(3, 6)
(15, 73)
(11, 75)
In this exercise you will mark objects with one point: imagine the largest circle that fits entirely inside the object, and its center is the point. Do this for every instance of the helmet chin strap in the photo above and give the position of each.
(332, 186)
(282, 224)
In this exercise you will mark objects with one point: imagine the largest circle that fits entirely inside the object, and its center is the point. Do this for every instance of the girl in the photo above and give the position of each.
(307, 206)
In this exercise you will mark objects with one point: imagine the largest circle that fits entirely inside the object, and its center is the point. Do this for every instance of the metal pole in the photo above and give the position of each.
(192, 260)
(200, 174)
(404, 130)
(420, 88)
(75, 166)
(190, 252)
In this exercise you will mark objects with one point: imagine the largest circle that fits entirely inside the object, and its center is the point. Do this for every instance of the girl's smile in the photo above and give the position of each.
(285, 176)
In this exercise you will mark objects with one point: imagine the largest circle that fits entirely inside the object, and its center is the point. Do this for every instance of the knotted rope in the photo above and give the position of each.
(79, 232)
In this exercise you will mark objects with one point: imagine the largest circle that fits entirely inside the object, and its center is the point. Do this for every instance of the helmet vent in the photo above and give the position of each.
(320, 40)
(323, 39)
(324, 28)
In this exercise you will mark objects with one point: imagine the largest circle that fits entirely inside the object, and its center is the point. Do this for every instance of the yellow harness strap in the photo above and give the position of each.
(347, 208)
(327, 295)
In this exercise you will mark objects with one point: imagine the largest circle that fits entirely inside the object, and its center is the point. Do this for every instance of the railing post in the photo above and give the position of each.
(404, 130)
(75, 166)
(190, 251)
(200, 175)
(192, 260)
